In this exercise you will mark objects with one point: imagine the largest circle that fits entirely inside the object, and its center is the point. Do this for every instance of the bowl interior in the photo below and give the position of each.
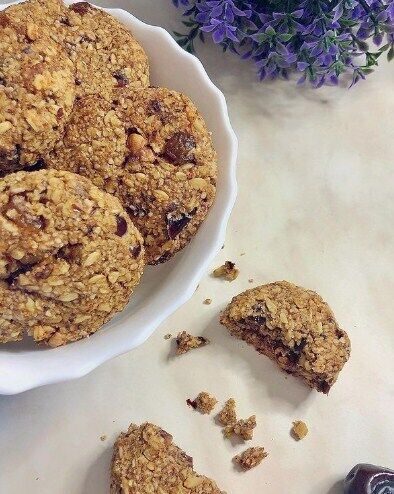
(163, 288)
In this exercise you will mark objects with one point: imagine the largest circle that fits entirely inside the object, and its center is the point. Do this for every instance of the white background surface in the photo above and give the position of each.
(316, 207)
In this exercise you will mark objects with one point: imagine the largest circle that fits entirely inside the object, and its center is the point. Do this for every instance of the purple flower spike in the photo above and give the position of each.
(319, 39)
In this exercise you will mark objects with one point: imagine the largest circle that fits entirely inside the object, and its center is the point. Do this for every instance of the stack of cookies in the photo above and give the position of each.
(101, 173)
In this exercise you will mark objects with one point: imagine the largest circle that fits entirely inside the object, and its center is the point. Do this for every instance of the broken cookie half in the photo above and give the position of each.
(146, 460)
(292, 326)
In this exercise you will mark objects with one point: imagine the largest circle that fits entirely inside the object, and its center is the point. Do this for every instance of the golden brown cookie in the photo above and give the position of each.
(42, 16)
(105, 54)
(163, 161)
(69, 257)
(145, 460)
(169, 180)
(37, 92)
(94, 143)
(292, 326)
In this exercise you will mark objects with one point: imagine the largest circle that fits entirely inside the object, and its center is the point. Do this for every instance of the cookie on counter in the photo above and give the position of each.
(292, 326)
(69, 257)
(37, 90)
(145, 459)
(168, 183)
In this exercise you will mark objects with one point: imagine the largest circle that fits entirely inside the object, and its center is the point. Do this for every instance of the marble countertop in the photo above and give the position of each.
(315, 207)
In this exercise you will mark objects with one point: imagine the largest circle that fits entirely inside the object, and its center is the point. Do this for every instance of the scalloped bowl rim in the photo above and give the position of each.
(17, 374)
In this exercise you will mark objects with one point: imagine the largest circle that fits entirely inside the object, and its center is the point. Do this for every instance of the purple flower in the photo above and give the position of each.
(320, 39)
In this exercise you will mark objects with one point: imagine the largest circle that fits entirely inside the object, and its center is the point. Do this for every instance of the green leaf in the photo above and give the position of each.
(270, 31)
(285, 37)
(390, 54)
(384, 47)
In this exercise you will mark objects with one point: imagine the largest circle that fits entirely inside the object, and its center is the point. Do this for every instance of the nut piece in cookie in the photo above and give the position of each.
(292, 326)
(228, 416)
(186, 342)
(69, 257)
(204, 403)
(228, 271)
(145, 459)
(299, 430)
(250, 458)
(168, 180)
(242, 428)
(37, 92)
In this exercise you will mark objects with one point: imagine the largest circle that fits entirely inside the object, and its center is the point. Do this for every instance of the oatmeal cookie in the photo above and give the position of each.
(105, 53)
(94, 143)
(69, 257)
(145, 459)
(37, 92)
(169, 179)
(39, 16)
(292, 326)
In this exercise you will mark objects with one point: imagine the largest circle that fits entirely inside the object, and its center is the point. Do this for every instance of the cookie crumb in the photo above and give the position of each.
(187, 342)
(228, 414)
(227, 271)
(299, 430)
(251, 280)
(242, 428)
(242, 253)
(204, 403)
(103, 437)
(250, 458)
(167, 336)
(207, 301)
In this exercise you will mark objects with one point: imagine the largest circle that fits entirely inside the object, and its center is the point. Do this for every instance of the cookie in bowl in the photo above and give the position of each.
(168, 182)
(93, 145)
(69, 257)
(292, 326)
(37, 90)
(160, 162)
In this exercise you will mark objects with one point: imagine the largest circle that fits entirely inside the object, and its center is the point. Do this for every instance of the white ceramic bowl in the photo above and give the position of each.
(164, 288)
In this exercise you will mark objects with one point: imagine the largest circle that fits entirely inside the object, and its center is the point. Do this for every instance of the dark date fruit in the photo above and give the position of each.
(178, 149)
(369, 479)
(121, 78)
(121, 226)
(80, 8)
(176, 221)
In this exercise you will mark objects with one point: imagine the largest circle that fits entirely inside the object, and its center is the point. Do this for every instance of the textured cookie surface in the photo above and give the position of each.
(69, 257)
(105, 54)
(94, 143)
(37, 91)
(294, 327)
(146, 460)
(161, 163)
(169, 178)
